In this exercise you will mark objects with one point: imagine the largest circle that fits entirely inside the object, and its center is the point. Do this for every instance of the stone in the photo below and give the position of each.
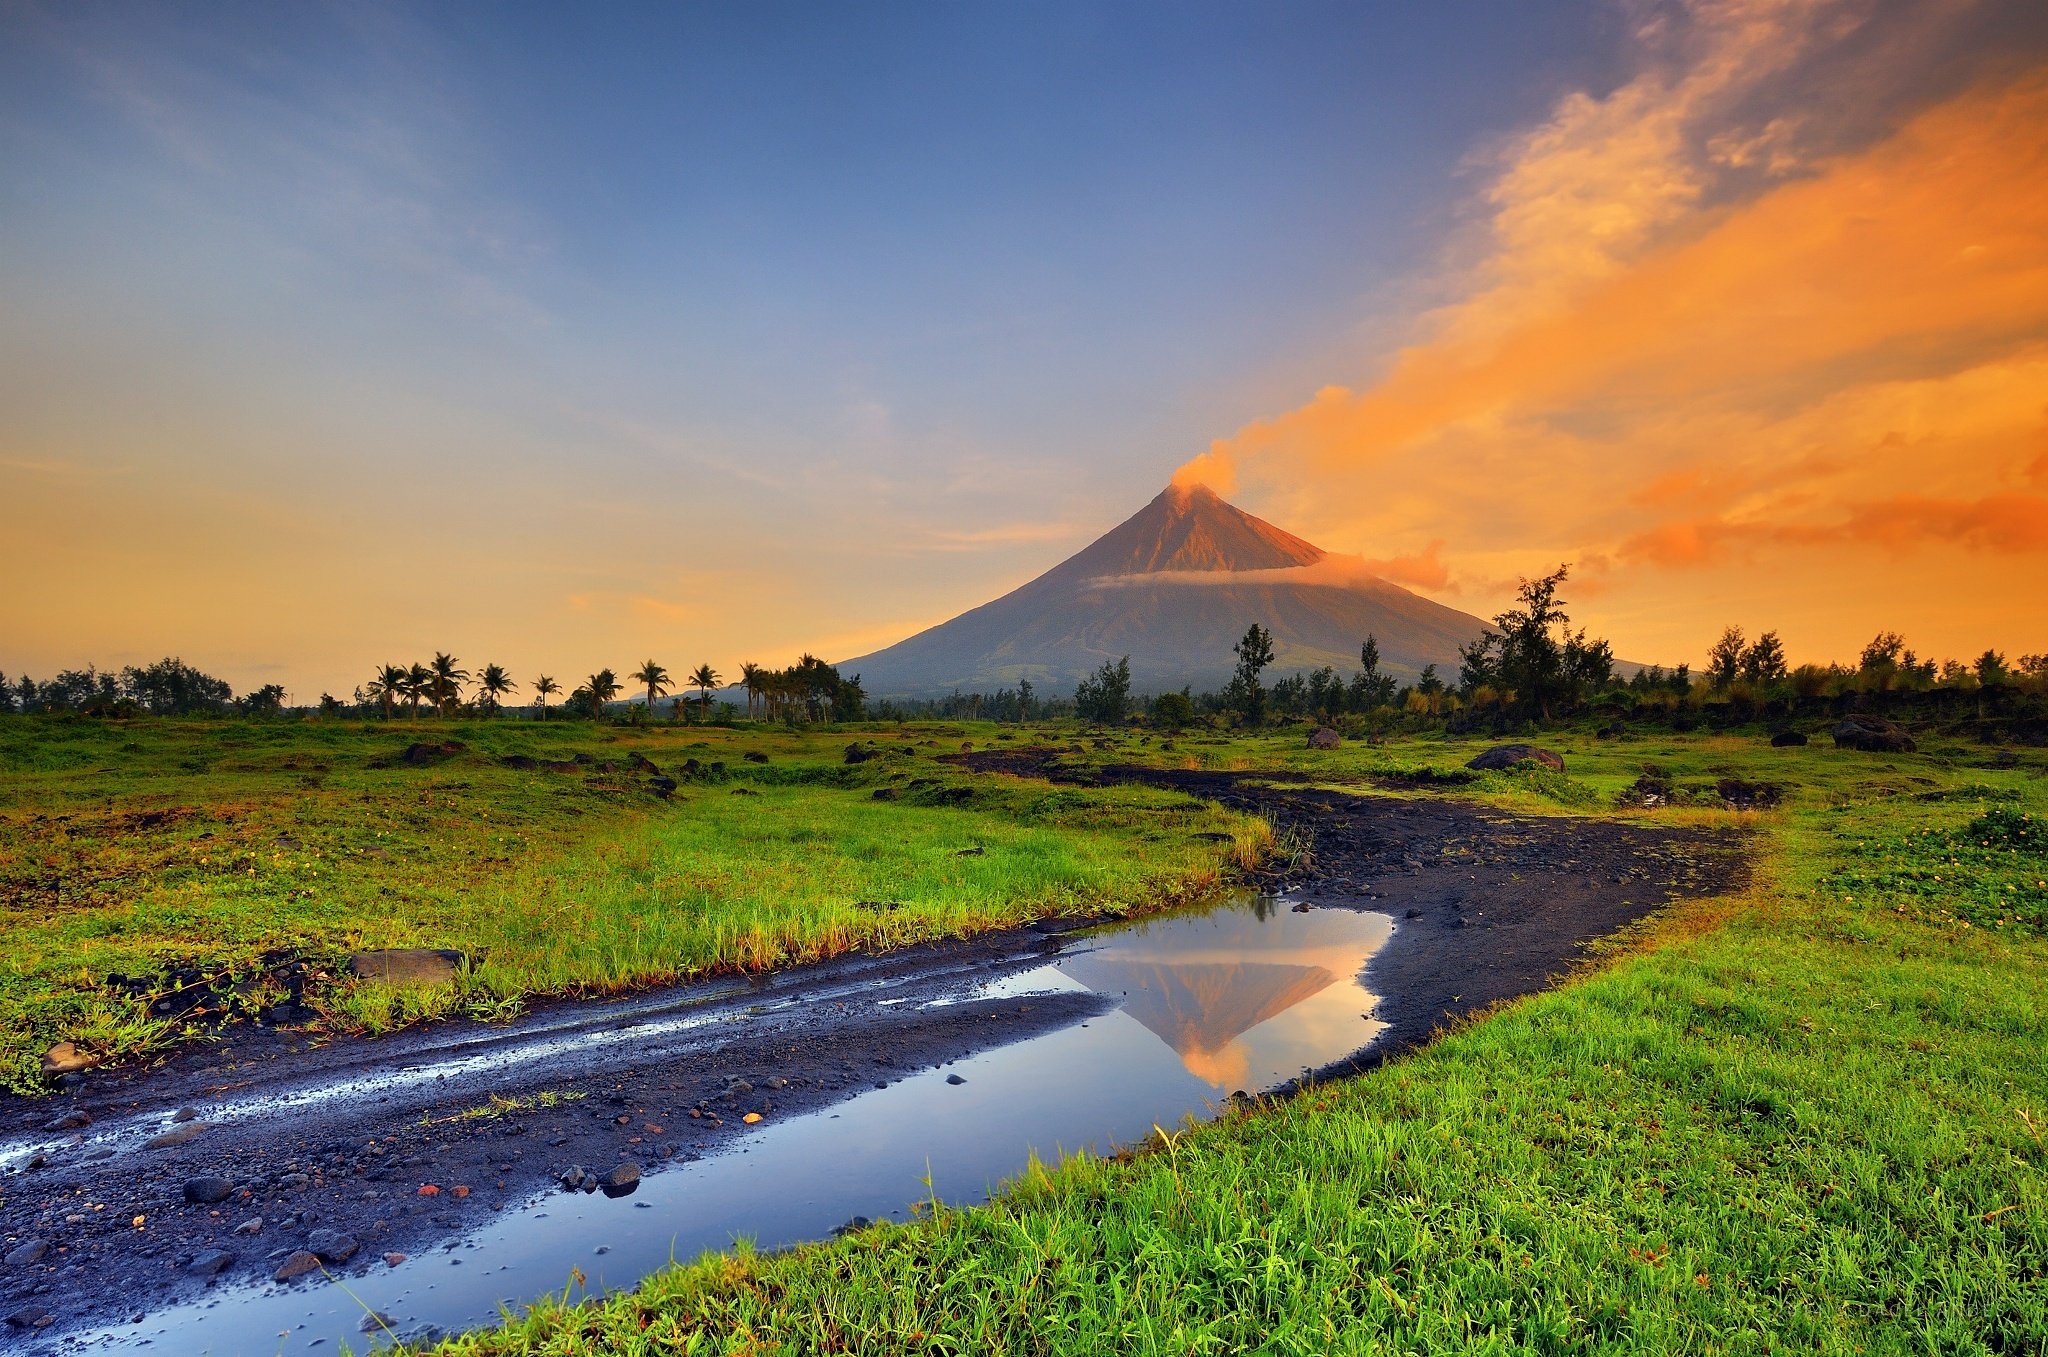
(1872, 734)
(374, 1322)
(955, 1079)
(254, 1225)
(1322, 737)
(27, 1253)
(211, 1263)
(331, 1246)
(420, 755)
(66, 1058)
(1787, 739)
(298, 1265)
(858, 753)
(1508, 755)
(31, 1317)
(756, 756)
(663, 787)
(621, 1181)
(208, 1189)
(408, 965)
(69, 1121)
(177, 1135)
(572, 1177)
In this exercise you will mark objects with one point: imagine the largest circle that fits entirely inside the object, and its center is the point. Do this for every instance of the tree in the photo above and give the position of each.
(750, 679)
(493, 684)
(704, 678)
(388, 687)
(170, 687)
(418, 683)
(1991, 670)
(1534, 654)
(445, 682)
(1373, 688)
(1104, 696)
(654, 679)
(602, 686)
(1764, 661)
(1254, 652)
(543, 688)
(1173, 711)
(1024, 695)
(1724, 661)
(265, 701)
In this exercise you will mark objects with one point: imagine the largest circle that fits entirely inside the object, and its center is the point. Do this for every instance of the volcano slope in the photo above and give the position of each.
(1809, 1114)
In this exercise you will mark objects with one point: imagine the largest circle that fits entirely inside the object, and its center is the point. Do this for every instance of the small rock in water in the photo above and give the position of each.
(208, 1189)
(955, 1079)
(69, 1121)
(177, 1135)
(375, 1322)
(298, 1265)
(394, 1259)
(622, 1181)
(185, 1114)
(572, 1177)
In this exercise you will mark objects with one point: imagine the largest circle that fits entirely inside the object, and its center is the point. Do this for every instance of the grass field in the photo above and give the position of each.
(152, 847)
(1811, 1118)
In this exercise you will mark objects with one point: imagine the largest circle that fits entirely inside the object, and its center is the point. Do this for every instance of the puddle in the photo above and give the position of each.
(1243, 996)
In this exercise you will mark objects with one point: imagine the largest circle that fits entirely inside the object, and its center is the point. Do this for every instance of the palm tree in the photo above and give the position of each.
(704, 679)
(494, 683)
(418, 682)
(654, 679)
(447, 681)
(388, 687)
(750, 679)
(602, 686)
(543, 686)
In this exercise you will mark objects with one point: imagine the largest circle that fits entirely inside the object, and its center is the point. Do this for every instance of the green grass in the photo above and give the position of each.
(1810, 1118)
(140, 848)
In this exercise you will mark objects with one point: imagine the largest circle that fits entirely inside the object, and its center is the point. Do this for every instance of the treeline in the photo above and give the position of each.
(808, 691)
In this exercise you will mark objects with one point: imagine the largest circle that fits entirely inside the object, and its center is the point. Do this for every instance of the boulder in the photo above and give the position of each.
(1508, 755)
(408, 965)
(66, 1058)
(208, 1189)
(421, 755)
(1322, 737)
(857, 753)
(331, 1246)
(298, 1265)
(211, 1263)
(622, 1181)
(26, 1253)
(663, 787)
(1872, 734)
(1787, 739)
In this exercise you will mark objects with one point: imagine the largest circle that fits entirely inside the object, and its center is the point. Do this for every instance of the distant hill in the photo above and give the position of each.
(1173, 587)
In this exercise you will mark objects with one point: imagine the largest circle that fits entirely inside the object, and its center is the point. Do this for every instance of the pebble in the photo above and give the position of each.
(252, 1226)
(332, 1246)
(955, 1079)
(297, 1265)
(211, 1263)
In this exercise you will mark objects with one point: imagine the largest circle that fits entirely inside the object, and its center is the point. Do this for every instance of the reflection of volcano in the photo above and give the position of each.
(1200, 1009)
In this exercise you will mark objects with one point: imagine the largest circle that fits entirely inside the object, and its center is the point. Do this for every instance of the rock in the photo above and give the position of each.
(32, 1317)
(420, 755)
(884, 794)
(66, 1058)
(177, 1135)
(1322, 737)
(211, 1263)
(251, 1226)
(69, 1121)
(641, 763)
(663, 787)
(408, 965)
(1787, 739)
(208, 1189)
(294, 1182)
(1412, 914)
(1508, 755)
(756, 756)
(955, 1079)
(185, 1114)
(298, 1265)
(332, 1246)
(975, 852)
(393, 1259)
(27, 1253)
(858, 753)
(1872, 734)
(622, 1181)
(374, 1322)
(572, 1177)
(744, 791)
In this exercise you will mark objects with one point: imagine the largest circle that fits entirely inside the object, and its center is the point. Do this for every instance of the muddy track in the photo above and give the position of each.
(400, 1144)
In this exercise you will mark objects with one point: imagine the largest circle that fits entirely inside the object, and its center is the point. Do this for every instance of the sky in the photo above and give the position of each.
(563, 337)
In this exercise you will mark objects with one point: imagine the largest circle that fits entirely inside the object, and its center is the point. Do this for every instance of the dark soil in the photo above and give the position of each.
(397, 1144)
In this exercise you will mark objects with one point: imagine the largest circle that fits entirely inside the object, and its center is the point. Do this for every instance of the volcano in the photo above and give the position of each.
(1174, 586)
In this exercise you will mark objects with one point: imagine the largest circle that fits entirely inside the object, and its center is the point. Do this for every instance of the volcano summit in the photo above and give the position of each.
(1173, 587)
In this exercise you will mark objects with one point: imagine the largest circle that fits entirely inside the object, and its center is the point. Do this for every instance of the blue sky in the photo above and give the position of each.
(713, 331)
